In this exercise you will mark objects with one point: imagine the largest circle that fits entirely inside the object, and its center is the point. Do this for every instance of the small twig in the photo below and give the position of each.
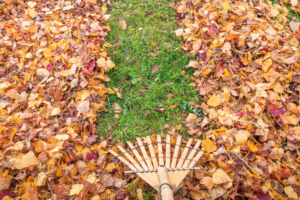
(49, 188)
(207, 161)
(291, 55)
(241, 159)
(247, 122)
(212, 86)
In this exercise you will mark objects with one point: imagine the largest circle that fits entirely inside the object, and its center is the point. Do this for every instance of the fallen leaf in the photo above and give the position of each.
(220, 177)
(155, 68)
(208, 145)
(191, 118)
(123, 24)
(214, 101)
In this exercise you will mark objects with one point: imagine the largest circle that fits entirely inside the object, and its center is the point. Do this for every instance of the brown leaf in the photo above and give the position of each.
(4, 183)
(106, 179)
(61, 191)
(119, 183)
(155, 68)
(82, 167)
(98, 188)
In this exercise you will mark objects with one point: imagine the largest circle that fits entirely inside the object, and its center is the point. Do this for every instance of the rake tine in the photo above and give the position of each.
(152, 152)
(187, 161)
(160, 151)
(143, 176)
(175, 155)
(191, 165)
(168, 152)
(136, 153)
(146, 157)
(182, 158)
(131, 159)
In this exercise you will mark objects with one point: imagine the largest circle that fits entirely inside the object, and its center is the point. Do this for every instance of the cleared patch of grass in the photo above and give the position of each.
(147, 41)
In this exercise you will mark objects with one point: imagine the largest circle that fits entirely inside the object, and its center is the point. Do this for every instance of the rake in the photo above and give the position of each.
(163, 172)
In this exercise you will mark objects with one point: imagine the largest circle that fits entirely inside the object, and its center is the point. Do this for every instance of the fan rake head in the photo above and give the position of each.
(144, 161)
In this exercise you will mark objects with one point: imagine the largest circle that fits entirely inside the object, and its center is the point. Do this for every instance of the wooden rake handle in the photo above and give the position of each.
(165, 187)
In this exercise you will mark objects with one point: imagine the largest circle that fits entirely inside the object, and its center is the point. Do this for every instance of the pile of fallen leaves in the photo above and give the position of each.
(247, 68)
(53, 62)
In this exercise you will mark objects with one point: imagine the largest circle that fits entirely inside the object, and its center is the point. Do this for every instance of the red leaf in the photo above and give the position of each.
(240, 113)
(179, 16)
(92, 139)
(265, 49)
(4, 194)
(155, 68)
(277, 111)
(159, 110)
(200, 47)
(222, 65)
(91, 156)
(203, 56)
(49, 67)
(91, 66)
(100, 39)
(264, 196)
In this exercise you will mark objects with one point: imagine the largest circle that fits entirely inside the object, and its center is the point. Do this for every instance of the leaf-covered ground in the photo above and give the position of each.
(53, 66)
(246, 64)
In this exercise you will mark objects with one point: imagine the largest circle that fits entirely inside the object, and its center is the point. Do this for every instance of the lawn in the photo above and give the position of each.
(150, 100)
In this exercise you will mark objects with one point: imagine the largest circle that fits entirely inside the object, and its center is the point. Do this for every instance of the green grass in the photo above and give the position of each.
(143, 91)
(292, 13)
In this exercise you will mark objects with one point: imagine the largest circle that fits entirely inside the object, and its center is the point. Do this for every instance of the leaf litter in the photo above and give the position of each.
(246, 65)
(53, 66)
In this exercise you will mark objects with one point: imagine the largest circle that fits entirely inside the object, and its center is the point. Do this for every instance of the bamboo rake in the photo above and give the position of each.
(163, 172)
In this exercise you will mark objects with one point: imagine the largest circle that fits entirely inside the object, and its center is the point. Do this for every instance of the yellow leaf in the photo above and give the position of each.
(7, 198)
(103, 194)
(76, 189)
(294, 42)
(209, 145)
(191, 118)
(220, 177)
(290, 192)
(292, 119)
(173, 106)
(110, 167)
(222, 164)
(103, 54)
(50, 164)
(252, 146)
(55, 111)
(245, 60)
(266, 65)
(214, 101)
(242, 136)
(95, 197)
(48, 52)
(226, 5)
(206, 72)
(42, 178)
(226, 72)
(26, 161)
